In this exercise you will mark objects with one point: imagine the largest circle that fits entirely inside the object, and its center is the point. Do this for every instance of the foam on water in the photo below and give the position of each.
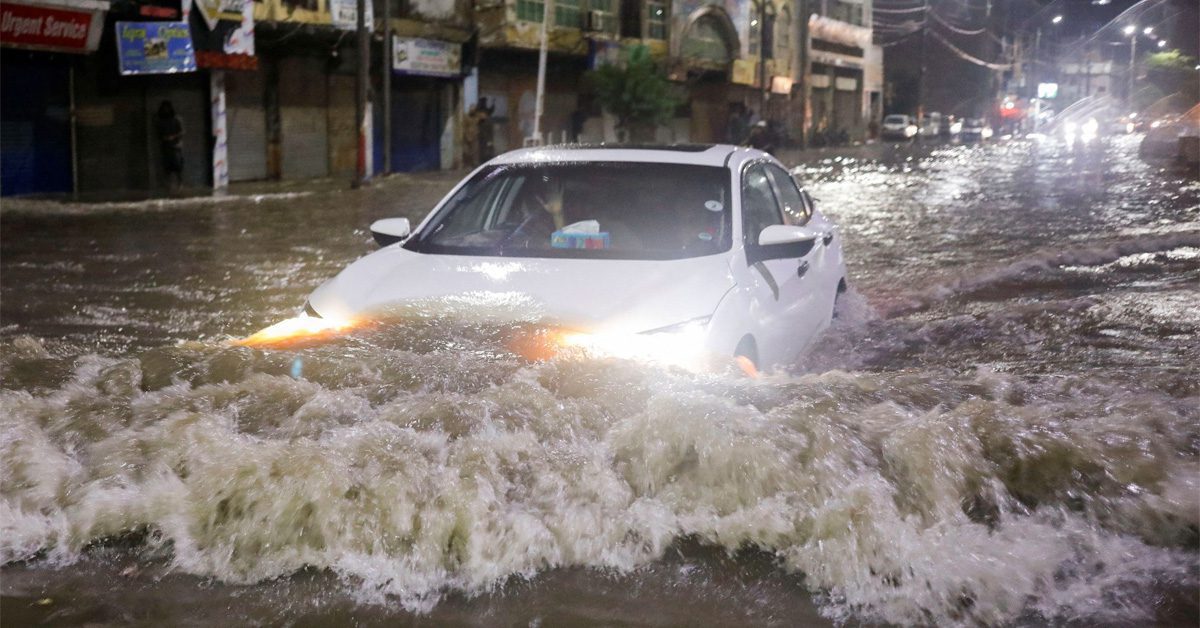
(413, 471)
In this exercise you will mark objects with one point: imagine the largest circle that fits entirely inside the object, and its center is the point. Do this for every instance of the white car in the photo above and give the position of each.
(658, 253)
(898, 126)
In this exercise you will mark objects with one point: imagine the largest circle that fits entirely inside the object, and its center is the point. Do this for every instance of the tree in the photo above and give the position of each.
(635, 91)
(1172, 72)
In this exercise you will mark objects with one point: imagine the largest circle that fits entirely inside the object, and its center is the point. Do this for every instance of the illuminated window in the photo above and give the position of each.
(566, 12)
(656, 16)
(530, 10)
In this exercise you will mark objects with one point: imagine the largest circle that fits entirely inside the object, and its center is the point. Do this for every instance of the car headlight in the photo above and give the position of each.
(681, 344)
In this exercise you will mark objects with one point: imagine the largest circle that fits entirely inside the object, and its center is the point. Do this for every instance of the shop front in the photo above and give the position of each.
(43, 43)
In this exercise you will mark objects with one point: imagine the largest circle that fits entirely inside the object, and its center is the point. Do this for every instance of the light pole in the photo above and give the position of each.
(1131, 30)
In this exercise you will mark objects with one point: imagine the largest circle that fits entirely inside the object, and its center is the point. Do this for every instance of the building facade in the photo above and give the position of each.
(266, 88)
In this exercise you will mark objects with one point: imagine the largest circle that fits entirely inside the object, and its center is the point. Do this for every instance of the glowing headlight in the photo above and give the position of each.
(295, 331)
(677, 345)
(910, 130)
(1089, 129)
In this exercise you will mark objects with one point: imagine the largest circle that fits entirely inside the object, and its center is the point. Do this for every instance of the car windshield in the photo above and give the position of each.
(895, 119)
(602, 210)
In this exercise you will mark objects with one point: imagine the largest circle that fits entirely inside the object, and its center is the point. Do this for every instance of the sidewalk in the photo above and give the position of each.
(377, 190)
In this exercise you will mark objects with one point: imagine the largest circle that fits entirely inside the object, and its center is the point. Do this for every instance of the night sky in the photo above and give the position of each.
(966, 88)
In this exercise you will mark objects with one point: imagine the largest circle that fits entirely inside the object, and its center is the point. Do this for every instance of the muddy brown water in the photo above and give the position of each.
(1002, 426)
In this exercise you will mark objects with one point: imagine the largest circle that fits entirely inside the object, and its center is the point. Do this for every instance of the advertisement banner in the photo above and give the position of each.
(213, 10)
(40, 27)
(427, 57)
(155, 48)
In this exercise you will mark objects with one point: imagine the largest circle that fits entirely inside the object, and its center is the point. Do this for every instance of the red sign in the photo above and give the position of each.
(44, 27)
(223, 61)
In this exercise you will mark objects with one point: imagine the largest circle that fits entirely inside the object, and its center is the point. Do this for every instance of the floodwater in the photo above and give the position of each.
(1002, 426)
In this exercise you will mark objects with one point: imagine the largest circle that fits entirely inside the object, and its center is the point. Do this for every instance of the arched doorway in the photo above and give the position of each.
(703, 57)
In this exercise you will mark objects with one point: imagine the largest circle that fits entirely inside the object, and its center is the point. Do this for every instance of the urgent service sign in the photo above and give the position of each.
(50, 27)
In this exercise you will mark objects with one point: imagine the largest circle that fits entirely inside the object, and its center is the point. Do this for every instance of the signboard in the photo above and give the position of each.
(1047, 90)
(345, 14)
(155, 48)
(745, 72)
(428, 57)
(213, 10)
(229, 44)
(42, 27)
(781, 85)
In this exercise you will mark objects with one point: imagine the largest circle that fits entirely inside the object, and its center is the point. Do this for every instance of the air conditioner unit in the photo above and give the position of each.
(595, 20)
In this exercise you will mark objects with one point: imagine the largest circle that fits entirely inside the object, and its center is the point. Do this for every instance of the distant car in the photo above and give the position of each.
(643, 252)
(930, 126)
(897, 127)
(975, 130)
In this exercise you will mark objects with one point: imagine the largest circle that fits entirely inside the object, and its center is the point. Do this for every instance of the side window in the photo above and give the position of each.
(795, 210)
(759, 209)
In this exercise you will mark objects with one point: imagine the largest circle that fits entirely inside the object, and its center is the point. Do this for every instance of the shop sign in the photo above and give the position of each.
(845, 84)
(41, 27)
(155, 48)
(781, 85)
(745, 72)
(427, 57)
(214, 10)
(344, 14)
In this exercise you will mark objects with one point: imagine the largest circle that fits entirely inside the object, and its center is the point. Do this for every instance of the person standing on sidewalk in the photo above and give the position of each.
(170, 136)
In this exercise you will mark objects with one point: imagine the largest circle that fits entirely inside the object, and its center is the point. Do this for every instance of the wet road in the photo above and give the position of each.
(1002, 426)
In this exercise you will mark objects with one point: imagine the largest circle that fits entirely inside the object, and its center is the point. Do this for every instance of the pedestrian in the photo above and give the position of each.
(170, 137)
(760, 137)
(738, 124)
(471, 136)
(484, 129)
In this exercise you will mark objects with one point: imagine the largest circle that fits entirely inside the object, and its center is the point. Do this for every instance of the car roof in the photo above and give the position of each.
(720, 155)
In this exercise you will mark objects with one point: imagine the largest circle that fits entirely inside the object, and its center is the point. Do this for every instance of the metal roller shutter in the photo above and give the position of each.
(303, 99)
(247, 123)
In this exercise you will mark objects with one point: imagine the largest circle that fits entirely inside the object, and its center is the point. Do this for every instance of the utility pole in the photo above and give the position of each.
(387, 86)
(547, 16)
(805, 75)
(762, 58)
(921, 75)
(361, 99)
(1132, 64)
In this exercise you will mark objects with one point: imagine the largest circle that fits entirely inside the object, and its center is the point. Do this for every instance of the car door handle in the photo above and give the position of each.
(828, 238)
(802, 269)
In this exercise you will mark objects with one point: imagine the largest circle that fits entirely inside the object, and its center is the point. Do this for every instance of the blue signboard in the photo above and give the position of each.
(155, 47)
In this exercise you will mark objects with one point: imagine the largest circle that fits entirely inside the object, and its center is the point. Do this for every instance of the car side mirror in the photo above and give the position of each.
(787, 234)
(390, 230)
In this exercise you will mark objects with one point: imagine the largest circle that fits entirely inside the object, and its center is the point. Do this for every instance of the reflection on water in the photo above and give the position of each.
(1002, 425)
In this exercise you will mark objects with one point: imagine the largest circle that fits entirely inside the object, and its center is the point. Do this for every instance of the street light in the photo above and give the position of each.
(1057, 19)
(1148, 30)
(1162, 43)
(1129, 30)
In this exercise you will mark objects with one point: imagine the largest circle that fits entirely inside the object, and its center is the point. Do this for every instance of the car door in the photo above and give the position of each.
(782, 288)
(819, 282)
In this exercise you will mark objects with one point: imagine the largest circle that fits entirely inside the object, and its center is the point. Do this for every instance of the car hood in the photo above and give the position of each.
(621, 295)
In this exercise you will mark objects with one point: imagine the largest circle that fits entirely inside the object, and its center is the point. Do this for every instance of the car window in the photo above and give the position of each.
(759, 208)
(603, 210)
(795, 210)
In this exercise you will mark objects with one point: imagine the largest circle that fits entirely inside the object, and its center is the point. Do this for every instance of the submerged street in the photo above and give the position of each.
(1002, 425)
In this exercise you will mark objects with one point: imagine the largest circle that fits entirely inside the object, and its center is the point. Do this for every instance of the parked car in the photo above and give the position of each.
(930, 125)
(976, 130)
(898, 127)
(638, 252)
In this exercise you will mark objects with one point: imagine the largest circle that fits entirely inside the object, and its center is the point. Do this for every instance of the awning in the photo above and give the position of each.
(71, 26)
